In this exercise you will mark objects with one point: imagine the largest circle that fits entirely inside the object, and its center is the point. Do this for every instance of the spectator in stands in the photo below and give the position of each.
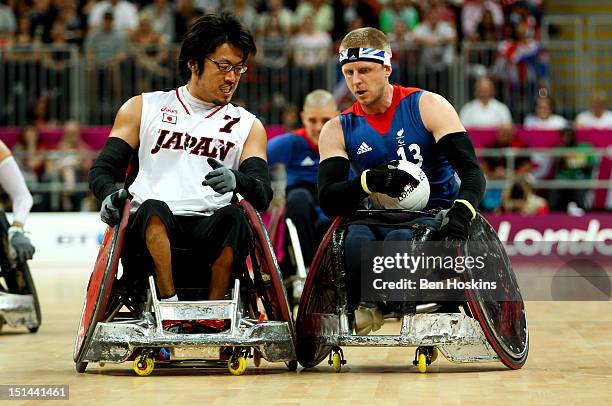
(150, 52)
(485, 111)
(544, 119)
(399, 39)
(39, 114)
(105, 49)
(352, 14)
(32, 165)
(105, 46)
(8, 25)
(74, 24)
(577, 165)
(161, 16)
(207, 6)
(437, 39)
(472, 14)
(398, 11)
(310, 48)
(42, 14)
(245, 12)
(521, 199)
(276, 9)
(486, 30)
(598, 116)
(522, 64)
(57, 60)
(272, 45)
(289, 117)
(24, 45)
(72, 167)
(495, 167)
(520, 14)
(186, 13)
(321, 14)
(125, 15)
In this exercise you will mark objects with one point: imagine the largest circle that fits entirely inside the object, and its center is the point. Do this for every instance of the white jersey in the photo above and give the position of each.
(175, 144)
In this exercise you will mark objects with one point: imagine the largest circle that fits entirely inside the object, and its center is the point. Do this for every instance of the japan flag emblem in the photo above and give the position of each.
(169, 118)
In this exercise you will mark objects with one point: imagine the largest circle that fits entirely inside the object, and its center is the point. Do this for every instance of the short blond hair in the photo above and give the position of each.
(366, 37)
(320, 98)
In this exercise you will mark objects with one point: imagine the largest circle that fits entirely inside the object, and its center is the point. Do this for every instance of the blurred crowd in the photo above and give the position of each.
(580, 163)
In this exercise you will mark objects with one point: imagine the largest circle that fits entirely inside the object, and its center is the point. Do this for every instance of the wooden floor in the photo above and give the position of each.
(570, 361)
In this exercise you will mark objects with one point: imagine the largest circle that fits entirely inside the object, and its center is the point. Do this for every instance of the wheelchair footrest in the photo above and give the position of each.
(197, 310)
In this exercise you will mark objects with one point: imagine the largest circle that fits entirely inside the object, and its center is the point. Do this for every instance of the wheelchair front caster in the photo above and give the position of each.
(144, 364)
(237, 365)
(336, 359)
(423, 357)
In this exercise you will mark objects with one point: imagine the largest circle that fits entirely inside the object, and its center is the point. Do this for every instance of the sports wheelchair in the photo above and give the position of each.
(122, 320)
(19, 304)
(480, 329)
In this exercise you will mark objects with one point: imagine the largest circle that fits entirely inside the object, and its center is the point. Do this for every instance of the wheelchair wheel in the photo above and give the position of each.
(318, 299)
(17, 276)
(269, 280)
(100, 287)
(503, 322)
(31, 290)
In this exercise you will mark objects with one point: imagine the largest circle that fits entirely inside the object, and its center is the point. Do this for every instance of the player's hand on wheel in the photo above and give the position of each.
(388, 179)
(22, 245)
(112, 206)
(221, 179)
(456, 223)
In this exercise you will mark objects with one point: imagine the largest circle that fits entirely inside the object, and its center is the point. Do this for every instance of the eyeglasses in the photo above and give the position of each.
(228, 67)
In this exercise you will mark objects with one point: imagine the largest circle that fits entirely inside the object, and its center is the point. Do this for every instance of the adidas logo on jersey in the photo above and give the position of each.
(307, 162)
(363, 148)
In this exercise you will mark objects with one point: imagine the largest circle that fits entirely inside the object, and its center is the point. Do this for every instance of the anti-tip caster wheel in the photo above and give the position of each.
(143, 365)
(256, 358)
(336, 359)
(237, 365)
(422, 363)
(423, 357)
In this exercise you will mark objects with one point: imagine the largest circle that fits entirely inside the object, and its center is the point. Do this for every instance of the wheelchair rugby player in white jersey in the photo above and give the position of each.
(186, 155)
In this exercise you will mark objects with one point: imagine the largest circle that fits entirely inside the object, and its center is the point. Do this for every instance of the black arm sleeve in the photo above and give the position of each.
(109, 167)
(338, 196)
(459, 151)
(253, 182)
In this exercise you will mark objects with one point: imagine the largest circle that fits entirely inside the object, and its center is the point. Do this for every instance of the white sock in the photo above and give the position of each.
(170, 299)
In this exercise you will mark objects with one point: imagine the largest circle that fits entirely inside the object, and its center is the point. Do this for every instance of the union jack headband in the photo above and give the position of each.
(364, 54)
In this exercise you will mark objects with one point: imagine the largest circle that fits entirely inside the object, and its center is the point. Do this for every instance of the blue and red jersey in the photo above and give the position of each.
(298, 153)
(399, 133)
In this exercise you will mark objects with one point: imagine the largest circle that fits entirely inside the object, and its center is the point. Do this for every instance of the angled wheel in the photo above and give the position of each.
(31, 289)
(318, 299)
(16, 275)
(504, 322)
(100, 287)
(269, 280)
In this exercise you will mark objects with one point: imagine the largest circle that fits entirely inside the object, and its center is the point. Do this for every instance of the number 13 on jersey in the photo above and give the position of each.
(416, 151)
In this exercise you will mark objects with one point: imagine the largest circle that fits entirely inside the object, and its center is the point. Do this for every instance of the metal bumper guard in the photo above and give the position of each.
(458, 337)
(18, 310)
(116, 341)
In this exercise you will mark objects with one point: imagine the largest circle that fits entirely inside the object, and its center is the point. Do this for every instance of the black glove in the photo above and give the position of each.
(112, 207)
(456, 223)
(22, 245)
(387, 179)
(221, 179)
